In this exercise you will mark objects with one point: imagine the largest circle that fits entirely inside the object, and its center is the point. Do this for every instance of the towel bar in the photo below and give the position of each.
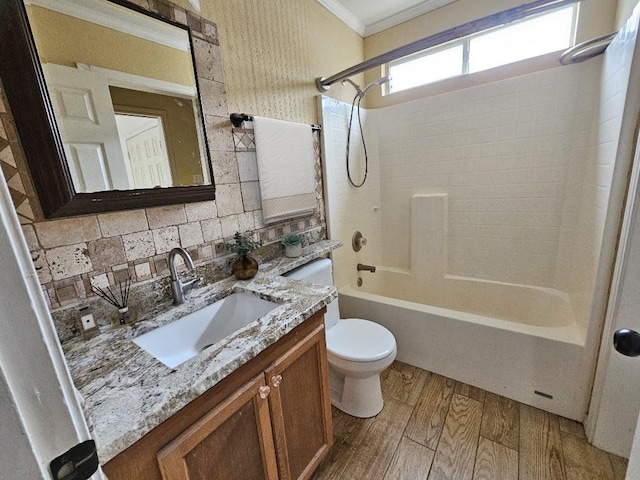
(237, 119)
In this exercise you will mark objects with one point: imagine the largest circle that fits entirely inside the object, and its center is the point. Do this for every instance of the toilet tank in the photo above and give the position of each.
(318, 271)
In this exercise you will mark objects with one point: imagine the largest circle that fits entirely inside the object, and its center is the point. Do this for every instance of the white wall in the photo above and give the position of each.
(616, 394)
(633, 469)
(18, 451)
(40, 417)
(618, 406)
(623, 12)
(349, 208)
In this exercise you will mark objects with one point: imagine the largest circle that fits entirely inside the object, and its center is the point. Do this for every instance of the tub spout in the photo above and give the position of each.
(368, 268)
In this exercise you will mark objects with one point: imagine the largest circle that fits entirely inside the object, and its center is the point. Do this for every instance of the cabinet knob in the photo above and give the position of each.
(275, 380)
(264, 391)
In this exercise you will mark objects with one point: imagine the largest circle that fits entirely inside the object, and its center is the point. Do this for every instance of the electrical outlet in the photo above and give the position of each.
(88, 321)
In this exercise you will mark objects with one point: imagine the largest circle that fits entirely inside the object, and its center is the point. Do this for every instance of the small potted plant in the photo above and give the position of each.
(292, 245)
(244, 267)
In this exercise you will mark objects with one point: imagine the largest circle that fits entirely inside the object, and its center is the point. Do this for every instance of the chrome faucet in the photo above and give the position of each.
(178, 287)
(368, 268)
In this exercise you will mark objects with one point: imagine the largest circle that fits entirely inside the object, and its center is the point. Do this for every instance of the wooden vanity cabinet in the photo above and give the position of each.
(271, 419)
(300, 407)
(234, 440)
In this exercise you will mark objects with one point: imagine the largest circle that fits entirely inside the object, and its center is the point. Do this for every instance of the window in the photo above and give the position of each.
(437, 65)
(531, 37)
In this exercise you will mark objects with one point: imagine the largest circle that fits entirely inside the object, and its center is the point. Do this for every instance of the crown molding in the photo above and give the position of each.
(405, 15)
(345, 15)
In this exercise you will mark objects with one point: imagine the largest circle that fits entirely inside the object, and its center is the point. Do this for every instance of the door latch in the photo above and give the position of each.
(627, 342)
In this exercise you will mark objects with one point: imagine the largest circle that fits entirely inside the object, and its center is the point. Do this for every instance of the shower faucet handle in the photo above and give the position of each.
(358, 241)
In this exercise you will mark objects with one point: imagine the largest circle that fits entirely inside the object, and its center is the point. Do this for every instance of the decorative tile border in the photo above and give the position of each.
(244, 139)
(151, 297)
(12, 164)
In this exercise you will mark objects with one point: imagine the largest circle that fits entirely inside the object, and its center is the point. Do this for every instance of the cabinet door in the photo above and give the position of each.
(232, 441)
(300, 407)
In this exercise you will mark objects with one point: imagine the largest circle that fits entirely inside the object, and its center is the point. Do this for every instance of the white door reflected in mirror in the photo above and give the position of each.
(87, 124)
(145, 151)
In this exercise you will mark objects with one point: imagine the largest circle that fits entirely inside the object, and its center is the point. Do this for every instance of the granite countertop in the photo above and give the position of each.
(127, 392)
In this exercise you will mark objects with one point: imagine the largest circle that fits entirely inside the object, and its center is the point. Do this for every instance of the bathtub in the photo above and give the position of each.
(517, 341)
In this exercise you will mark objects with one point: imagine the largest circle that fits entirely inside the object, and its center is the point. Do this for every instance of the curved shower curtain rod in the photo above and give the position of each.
(490, 21)
(586, 50)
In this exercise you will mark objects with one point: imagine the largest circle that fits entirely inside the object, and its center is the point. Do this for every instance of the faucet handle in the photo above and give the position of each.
(192, 282)
(358, 241)
(189, 284)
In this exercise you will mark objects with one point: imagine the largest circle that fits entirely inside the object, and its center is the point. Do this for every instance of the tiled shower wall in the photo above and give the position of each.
(581, 160)
(351, 208)
(502, 152)
(605, 177)
(73, 253)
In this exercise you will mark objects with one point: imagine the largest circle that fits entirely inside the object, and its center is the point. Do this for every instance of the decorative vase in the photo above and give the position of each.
(293, 251)
(244, 267)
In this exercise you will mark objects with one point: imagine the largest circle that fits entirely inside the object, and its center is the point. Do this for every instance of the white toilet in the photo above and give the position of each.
(357, 350)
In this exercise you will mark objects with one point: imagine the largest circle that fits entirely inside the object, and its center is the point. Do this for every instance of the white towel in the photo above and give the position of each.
(286, 168)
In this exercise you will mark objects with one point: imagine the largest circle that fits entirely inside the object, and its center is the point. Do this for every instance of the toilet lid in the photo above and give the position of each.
(360, 340)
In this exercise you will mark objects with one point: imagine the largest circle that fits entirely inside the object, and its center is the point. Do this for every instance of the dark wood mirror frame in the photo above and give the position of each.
(24, 85)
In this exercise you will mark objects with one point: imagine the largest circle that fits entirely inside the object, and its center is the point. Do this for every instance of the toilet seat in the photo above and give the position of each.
(358, 340)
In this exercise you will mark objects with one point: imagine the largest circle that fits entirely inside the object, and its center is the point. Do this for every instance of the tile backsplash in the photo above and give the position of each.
(72, 254)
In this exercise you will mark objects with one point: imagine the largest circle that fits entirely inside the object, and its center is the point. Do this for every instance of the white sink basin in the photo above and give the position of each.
(178, 341)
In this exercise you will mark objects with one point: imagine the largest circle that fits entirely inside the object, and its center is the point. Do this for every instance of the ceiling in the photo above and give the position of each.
(367, 17)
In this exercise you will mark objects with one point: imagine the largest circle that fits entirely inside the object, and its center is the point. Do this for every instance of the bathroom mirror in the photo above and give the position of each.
(106, 103)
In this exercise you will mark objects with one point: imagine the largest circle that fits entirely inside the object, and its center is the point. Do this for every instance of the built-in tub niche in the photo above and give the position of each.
(108, 104)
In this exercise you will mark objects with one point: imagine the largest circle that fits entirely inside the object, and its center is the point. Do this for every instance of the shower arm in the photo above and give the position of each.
(501, 18)
(354, 85)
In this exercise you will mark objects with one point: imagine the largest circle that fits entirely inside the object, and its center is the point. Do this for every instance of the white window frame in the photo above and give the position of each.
(466, 41)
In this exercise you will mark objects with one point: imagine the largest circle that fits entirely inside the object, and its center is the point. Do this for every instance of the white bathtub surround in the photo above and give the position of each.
(429, 282)
(286, 168)
(429, 236)
(501, 151)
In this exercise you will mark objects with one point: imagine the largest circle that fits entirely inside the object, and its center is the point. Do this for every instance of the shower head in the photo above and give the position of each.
(355, 85)
(380, 81)
(361, 93)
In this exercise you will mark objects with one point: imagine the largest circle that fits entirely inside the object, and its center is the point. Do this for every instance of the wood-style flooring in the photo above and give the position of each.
(435, 428)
